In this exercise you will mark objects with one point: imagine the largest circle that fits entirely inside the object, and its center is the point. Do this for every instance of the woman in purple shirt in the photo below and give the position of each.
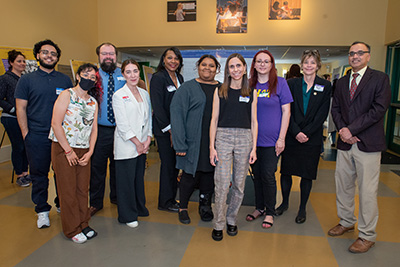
(273, 114)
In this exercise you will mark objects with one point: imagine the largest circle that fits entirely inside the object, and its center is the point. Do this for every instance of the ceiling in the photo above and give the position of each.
(281, 53)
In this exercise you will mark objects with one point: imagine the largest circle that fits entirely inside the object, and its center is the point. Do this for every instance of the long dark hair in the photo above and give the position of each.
(273, 76)
(177, 53)
(96, 91)
(245, 88)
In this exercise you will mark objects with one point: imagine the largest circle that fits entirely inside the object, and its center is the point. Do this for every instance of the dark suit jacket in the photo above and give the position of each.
(317, 111)
(161, 99)
(364, 115)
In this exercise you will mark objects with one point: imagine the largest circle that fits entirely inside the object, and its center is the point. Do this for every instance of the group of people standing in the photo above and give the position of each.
(211, 131)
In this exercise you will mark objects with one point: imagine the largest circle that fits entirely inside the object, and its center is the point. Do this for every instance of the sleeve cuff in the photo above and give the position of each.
(166, 129)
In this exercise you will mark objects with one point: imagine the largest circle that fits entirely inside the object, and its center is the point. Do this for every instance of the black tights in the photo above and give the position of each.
(305, 189)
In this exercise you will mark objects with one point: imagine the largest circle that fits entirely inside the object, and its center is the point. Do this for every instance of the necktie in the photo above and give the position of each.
(353, 85)
(110, 92)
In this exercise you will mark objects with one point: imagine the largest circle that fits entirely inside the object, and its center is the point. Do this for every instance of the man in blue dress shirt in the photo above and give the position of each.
(112, 80)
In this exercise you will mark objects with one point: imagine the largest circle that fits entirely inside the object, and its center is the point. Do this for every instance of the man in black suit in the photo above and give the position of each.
(359, 105)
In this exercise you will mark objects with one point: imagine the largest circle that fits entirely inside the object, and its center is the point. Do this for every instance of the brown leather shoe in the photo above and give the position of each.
(340, 230)
(93, 210)
(361, 245)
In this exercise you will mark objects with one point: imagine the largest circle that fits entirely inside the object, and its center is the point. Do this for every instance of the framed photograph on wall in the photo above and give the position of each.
(231, 16)
(181, 11)
(284, 9)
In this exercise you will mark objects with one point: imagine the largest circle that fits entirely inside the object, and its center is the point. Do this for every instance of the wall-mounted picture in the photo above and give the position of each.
(231, 16)
(284, 9)
(181, 10)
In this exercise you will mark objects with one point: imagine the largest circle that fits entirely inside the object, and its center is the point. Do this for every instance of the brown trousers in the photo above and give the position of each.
(73, 190)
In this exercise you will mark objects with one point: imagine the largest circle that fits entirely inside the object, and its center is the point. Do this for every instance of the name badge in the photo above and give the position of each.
(120, 78)
(126, 98)
(171, 88)
(59, 90)
(318, 88)
(244, 99)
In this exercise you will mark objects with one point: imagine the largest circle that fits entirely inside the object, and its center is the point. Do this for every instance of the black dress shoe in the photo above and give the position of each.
(231, 230)
(114, 201)
(217, 235)
(172, 208)
(280, 210)
(301, 217)
(184, 217)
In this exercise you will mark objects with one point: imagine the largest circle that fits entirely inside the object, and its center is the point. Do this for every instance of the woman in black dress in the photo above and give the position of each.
(310, 107)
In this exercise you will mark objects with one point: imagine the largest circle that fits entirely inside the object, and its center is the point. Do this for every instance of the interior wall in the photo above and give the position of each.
(393, 22)
(323, 22)
(71, 24)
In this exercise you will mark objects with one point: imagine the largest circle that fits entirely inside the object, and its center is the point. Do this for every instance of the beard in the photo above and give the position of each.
(47, 66)
(108, 67)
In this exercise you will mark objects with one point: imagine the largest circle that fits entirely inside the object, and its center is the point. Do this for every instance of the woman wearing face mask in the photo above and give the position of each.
(233, 139)
(163, 86)
(8, 82)
(74, 132)
(273, 113)
(309, 109)
(191, 109)
(132, 139)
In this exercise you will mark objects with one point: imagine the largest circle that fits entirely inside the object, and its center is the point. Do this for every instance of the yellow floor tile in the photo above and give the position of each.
(257, 249)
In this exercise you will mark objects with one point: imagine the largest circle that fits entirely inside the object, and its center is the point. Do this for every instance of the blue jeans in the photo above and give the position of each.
(18, 154)
(38, 149)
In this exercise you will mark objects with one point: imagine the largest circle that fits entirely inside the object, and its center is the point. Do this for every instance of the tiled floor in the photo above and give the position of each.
(160, 240)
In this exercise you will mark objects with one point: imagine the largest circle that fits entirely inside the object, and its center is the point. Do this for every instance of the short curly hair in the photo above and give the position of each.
(38, 47)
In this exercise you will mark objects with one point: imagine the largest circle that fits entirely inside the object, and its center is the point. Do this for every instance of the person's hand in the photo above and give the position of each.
(345, 134)
(253, 156)
(213, 157)
(279, 146)
(140, 148)
(72, 158)
(84, 160)
(353, 140)
(181, 154)
(301, 137)
(146, 145)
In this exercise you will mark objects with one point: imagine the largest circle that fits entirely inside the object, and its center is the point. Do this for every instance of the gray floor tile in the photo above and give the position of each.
(151, 244)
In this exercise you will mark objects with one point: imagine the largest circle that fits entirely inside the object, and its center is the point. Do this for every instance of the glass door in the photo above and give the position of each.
(393, 118)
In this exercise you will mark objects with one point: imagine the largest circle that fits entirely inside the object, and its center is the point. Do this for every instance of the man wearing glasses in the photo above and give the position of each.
(359, 106)
(35, 95)
(111, 81)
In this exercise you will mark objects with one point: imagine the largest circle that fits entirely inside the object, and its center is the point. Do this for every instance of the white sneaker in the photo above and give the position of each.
(79, 238)
(133, 224)
(43, 220)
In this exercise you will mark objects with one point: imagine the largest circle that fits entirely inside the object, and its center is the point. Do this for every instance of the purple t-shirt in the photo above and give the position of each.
(269, 111)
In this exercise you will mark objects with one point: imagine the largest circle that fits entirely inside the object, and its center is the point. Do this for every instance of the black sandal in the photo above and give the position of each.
(251, 216)
(89, 233)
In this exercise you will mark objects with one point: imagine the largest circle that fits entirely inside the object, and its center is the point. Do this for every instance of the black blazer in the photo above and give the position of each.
(317, 111)
(364, 115)
(161, 93)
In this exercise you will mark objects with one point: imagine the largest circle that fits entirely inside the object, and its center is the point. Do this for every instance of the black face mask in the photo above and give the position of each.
(86, 84)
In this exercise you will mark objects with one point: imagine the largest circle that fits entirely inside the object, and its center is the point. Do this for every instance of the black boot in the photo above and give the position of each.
(205, 209)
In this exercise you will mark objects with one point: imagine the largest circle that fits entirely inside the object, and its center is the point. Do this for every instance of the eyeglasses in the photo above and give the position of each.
(46, 52)
(90, 77)
(107, 53)
(360, 53)
(313, 51)
(259, 62)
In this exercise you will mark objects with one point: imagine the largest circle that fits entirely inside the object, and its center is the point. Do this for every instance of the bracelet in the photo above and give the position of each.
(66, 153)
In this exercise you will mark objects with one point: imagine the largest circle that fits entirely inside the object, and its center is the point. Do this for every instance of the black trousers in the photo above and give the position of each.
(264, 179)
(168, 172)
(204, 180)
(130, 188)
(38, 150)
(103, 152)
